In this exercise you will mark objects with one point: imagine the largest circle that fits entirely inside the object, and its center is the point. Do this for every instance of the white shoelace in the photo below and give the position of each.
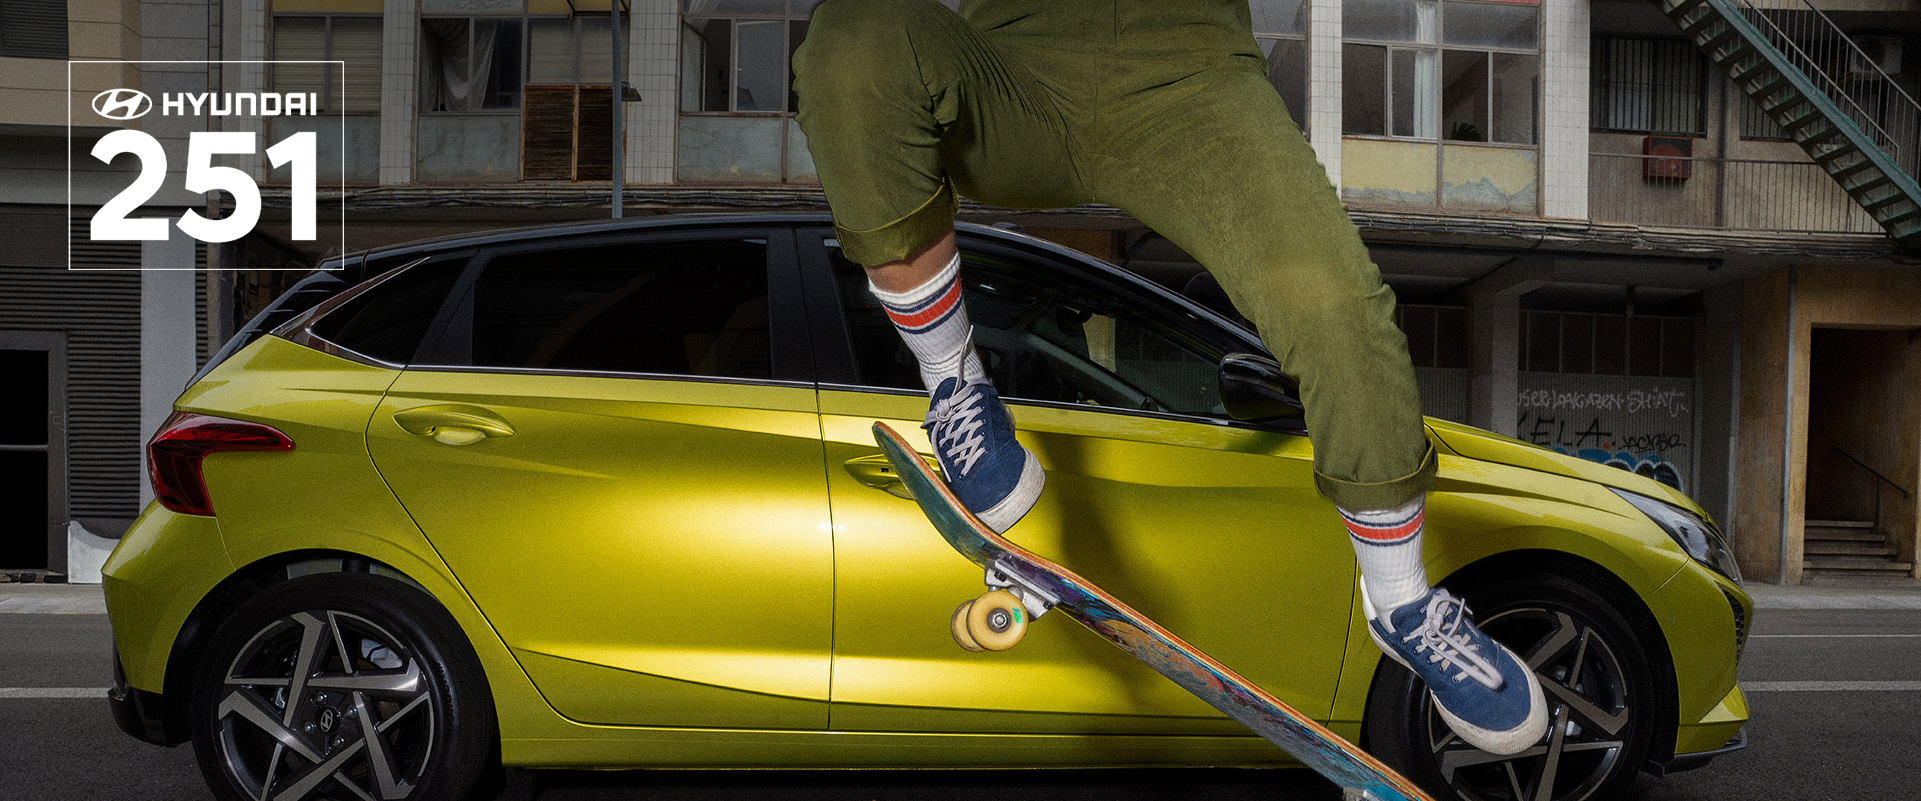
(956, 422)
(1441, 637)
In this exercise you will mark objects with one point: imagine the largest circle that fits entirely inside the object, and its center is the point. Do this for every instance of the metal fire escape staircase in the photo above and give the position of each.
(1781, 56)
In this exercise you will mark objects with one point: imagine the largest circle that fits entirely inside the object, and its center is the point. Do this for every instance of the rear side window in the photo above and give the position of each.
(682, 308)
(387, 321)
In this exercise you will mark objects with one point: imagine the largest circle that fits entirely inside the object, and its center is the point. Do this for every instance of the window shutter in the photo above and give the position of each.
(547, 134)
(595, 156)
(356, 40)
(299, 39)
(33, 28)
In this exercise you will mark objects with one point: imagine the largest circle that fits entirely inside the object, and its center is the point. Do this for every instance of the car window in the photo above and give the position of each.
(388, 320)
(676, 307)
(1044, 336)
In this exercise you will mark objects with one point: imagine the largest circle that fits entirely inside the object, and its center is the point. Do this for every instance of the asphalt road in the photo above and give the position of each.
(1834, 694)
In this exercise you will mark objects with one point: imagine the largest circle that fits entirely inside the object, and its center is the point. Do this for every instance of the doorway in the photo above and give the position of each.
(33, 451)
(1863, 451)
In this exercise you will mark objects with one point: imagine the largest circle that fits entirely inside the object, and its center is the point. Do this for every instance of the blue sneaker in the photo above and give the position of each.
(1484, 692)
(973, 437)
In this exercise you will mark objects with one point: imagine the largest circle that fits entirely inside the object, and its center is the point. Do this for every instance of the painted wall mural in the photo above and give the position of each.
(1639, 424)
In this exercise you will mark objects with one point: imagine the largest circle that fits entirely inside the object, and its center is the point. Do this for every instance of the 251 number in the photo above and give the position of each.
(112, 222)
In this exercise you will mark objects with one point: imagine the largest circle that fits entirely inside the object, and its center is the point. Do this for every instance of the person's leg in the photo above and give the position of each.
(1213, 163)
(903, 103)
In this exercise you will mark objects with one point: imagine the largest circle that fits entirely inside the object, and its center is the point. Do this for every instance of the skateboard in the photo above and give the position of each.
(1024, 586)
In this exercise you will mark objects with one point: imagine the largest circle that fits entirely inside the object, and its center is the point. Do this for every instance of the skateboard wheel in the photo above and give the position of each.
(996, 621)
(957, 626)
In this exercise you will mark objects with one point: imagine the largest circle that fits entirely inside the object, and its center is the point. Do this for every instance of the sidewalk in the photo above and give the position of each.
(1839, 594)
(52, 599)
(85, 599)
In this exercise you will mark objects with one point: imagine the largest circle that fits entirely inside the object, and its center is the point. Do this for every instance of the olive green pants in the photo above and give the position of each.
(1161, 109)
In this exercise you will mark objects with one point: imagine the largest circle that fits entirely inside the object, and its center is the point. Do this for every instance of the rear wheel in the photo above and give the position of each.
(1598, 684)
(340, 686)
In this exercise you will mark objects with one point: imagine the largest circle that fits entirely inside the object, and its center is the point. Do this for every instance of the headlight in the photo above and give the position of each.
(1695, 536)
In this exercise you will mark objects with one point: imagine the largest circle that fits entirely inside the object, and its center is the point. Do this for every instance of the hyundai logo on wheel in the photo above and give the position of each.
(122, 104)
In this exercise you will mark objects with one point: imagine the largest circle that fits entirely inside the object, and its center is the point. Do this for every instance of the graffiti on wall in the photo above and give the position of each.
(1641, 425)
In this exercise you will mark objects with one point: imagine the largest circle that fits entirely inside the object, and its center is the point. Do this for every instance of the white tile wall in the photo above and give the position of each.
(399, 90)
(252, 77)
(1564, 116)
(653, 67)
(1324, 84)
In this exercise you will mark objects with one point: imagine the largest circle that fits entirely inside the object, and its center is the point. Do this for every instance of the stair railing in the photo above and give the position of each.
(1820, 49)
(1877, 487)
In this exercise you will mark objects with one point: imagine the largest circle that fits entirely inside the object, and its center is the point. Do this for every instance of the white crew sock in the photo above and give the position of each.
(1388, 544)
(933, 320)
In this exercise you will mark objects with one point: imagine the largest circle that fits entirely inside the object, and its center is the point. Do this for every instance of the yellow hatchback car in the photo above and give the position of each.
(605, 495)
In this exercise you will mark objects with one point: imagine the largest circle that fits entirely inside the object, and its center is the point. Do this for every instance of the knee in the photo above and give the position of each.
(854, 38)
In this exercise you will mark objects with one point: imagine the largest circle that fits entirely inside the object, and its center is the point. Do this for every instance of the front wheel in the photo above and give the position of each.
(340, 686)
(1597, 681)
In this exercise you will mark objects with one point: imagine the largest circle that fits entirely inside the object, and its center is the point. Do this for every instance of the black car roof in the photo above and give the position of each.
(532, 233)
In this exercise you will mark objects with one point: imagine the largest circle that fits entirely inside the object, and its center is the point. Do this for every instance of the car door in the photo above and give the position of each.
(614, 446)
(1211, 528)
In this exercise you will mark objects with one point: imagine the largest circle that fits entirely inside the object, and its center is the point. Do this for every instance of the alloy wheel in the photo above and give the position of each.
(1590, 706)
(325, 704)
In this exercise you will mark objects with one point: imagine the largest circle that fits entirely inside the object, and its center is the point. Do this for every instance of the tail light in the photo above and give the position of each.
(174, 454)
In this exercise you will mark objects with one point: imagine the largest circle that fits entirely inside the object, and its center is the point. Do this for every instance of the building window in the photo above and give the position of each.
(470, 63)
(354, 40)
(33, 28)
(1280, 27)
(351, 91)
(1648, 86)
(1608, 344)
(736, 92)
(1441, 69)
(739, 64)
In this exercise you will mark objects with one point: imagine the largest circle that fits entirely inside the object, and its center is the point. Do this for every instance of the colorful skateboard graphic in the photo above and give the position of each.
(1023, 581)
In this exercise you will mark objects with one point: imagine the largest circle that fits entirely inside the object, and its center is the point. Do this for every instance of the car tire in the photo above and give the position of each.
(1599, 686)
(407, 717)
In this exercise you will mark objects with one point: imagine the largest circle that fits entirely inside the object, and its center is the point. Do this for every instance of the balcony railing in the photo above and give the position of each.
(1728, 194)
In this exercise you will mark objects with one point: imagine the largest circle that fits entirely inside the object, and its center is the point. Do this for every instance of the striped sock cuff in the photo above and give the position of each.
(1393, 527)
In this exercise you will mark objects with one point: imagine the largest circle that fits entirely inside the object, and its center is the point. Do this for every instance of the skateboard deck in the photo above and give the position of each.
(1310, 742)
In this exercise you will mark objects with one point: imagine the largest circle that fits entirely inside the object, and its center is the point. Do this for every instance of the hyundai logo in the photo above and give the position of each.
(122, 104)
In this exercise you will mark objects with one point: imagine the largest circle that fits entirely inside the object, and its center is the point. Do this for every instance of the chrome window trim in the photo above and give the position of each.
(564, 373)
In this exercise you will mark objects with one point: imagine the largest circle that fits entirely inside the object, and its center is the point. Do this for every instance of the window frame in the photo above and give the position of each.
(1439, 47)
(327, 54)
(733, 19)
(1704, 76)
(792, 364)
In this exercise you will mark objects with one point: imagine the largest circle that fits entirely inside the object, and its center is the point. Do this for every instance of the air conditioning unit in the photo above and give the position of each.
(1877, 54)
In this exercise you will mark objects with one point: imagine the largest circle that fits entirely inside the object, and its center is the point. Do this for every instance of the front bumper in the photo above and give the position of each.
(1682, 762)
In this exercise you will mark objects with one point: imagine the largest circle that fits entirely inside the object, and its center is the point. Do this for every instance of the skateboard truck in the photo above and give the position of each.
(997, 620)
(1031, 595)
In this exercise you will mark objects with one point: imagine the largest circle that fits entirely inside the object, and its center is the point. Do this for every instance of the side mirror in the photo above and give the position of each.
(1255, 389)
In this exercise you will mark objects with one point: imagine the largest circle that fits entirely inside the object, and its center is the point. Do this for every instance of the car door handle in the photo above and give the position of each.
(875, 471)
(453, 425)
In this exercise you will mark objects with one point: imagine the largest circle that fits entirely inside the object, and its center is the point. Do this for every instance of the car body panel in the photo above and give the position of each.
(1696, 611)
(783, 613)
(645, 537)
(1186, 528)
(162, 568)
